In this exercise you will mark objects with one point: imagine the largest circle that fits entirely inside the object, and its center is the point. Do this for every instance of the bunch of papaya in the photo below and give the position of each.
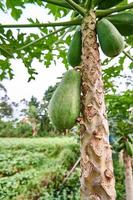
(74, 52)
(111, 41)
(105, 4)
(123, 22)
(64, 106)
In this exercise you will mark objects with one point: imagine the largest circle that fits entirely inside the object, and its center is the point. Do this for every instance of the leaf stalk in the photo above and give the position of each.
(76, 7)
(37, 25)
(103, 13)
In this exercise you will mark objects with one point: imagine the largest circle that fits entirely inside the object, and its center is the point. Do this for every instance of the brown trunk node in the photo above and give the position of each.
(128, 176)
(97, 178)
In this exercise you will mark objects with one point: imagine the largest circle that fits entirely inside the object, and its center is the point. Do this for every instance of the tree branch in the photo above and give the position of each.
(75, 6)
(128, 55)
(36, 25)
(71, 171)
(59, 3)
(103, 13)
(42, 38)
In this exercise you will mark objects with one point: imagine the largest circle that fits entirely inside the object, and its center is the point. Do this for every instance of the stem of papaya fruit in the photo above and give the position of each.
(59, 3)
(128, 55)
(76, 7)
(88, 4)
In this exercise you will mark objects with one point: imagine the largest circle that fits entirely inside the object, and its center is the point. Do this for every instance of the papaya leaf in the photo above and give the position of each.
(131, 65)
(57, 12)
(6, 51)
(16, 13)
(5, 69)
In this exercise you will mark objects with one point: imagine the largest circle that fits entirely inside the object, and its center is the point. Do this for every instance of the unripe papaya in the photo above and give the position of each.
(111, 41)
(105, 4)
(64, 106)
(74, 52)
(119, 147)
(129, 148)
(130, 139)
(123, 22)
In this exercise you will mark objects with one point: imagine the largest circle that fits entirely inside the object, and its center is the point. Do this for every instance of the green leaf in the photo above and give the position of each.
(131, 65)
(16, 13)
(5, 69)
(57, 12)
(6, 51)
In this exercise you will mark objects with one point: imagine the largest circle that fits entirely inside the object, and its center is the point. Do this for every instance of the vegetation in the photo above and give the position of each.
(35, 169)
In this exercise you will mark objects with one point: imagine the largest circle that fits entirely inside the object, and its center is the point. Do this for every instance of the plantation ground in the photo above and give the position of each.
(34, 168)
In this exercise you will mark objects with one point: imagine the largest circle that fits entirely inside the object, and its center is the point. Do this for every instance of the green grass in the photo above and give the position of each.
(34, 168)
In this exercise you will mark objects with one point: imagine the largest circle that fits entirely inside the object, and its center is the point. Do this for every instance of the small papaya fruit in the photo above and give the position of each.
(105, 4)
(129, 148)
(64, 106)
(119, 147)
(130, 139)
(74, 52)
(123, 22)
(111, 41)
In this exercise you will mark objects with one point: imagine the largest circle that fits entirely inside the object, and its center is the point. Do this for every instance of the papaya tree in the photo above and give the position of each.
(121, 125)
(87, 20)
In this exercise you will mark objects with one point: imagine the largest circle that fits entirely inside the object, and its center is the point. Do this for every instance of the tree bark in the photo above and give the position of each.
(128, 176)
(97, 178)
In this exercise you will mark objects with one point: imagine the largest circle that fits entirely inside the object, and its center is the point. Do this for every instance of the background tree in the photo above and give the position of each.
(97, 181)
(6, 109)
(121, 126)
(45, 124)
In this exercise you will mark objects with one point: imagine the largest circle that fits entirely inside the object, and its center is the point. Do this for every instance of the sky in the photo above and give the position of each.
(18, 88)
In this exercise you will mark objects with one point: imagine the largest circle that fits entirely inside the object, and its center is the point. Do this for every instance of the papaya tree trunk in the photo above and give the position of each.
(128, 176)
(97, 178)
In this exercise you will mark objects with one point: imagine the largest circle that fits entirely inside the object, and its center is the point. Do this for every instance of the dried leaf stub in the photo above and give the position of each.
(97, 146)
(107, 189)
(94, 197)
(98, 135)
(90, 111)
(87, 167)
(108, 174)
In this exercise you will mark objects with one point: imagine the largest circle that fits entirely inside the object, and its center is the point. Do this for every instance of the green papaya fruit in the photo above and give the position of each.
(105, 4)
(119, 147)
(64, 106)
(129, 148)
(111, 41)
(74, 52)
(123, 22)
(130, 139)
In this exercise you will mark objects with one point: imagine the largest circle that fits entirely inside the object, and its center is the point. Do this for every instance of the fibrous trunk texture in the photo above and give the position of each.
(128, 176)
(97, 178)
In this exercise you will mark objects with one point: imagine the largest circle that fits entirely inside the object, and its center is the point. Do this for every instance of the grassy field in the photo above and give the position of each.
(34, 168)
